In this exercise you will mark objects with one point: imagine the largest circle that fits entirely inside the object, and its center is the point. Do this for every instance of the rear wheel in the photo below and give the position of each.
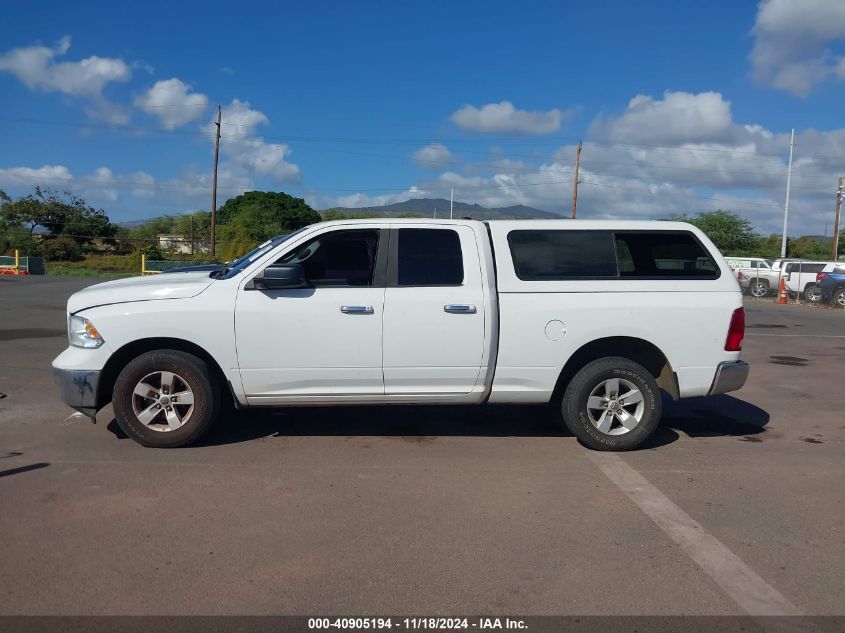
(759, 288)
(165, 399)
(612, 404)
(813, 293)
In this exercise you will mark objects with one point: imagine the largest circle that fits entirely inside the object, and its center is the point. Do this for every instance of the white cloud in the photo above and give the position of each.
(249, 152)
(680, 117)
(359, 200)
(504, 118)
(36, 66)
(101, 185)
(172, 102)
(679, 153)
(433, 156)
(791, 43)
(31, 176)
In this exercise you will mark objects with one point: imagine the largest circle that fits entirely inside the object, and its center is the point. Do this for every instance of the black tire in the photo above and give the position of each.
(192, 374)
(575, 399)
(839, 297)
(813, 293)
(758, 288)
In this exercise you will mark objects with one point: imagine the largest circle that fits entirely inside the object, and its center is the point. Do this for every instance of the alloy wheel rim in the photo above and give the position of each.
(163, 401)
(759, 290)
(615, 406)
(814, 294)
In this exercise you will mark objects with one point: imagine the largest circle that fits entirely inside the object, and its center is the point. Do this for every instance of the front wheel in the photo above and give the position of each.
(759, 288)
(839, 297)
(165, 399)
(612, 404)
(813, 293)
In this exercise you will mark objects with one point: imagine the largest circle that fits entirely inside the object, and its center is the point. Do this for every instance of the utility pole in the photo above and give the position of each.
(575, 182)
(451, 202)
(786, 204)
(839, 193)
(192, 234)
(214, 186)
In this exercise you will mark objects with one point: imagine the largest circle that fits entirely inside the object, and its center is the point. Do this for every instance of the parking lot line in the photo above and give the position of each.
(745, 587)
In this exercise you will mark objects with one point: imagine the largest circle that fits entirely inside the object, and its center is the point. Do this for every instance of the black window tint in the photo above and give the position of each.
(663, 254)
(339, 258)
(796, 267)
(429, 257)
(564, 254)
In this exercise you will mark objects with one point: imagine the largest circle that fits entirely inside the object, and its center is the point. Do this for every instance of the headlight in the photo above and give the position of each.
(82, 333)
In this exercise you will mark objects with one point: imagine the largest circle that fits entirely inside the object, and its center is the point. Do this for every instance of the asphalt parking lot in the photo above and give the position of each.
(428, 510)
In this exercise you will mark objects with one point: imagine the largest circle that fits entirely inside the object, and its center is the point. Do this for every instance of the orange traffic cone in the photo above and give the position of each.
(782, 292)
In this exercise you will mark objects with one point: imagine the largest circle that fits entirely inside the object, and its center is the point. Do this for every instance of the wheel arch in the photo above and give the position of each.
(636, 349)
(132, 350)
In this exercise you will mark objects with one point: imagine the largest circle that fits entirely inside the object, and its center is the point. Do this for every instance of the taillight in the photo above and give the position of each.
(820, 276)
(736, 331)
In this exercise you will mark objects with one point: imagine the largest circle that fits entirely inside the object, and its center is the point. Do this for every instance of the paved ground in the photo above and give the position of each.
(428, 510)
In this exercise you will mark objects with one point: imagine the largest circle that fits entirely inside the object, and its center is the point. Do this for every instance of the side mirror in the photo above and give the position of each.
(280, 277)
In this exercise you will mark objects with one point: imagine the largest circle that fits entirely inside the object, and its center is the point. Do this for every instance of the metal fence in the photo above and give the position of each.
(18, 264)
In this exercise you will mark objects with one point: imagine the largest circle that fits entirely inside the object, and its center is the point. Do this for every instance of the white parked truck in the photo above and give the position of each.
(595, 316)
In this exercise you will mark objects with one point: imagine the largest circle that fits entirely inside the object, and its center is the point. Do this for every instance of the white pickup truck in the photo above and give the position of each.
(595, 316)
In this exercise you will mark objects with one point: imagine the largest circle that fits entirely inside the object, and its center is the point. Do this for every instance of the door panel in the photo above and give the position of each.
(433, 334)
(322, 340)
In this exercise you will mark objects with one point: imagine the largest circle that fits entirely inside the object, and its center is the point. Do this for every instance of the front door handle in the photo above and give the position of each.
(356, 309)
(459, 308)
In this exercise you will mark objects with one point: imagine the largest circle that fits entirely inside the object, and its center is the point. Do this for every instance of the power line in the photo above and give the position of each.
(548, 140)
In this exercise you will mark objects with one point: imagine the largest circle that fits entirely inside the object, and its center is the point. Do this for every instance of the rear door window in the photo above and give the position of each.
(429, 257)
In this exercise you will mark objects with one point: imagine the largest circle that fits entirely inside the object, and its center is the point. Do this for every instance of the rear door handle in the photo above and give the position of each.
(459, 308)
(356, 309)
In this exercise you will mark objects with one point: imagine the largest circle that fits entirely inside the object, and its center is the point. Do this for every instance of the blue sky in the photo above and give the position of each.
(682, 106)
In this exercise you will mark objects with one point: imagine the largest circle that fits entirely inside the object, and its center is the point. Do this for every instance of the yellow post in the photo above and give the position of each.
(143, 264)
(17, 262)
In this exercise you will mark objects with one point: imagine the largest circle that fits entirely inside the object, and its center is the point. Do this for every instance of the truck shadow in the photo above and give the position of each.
(717, 416)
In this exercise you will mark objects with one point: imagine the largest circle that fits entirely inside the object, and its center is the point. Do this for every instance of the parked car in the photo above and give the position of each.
(755, 274)
(801, 278)
(832, 284)
(595, 316)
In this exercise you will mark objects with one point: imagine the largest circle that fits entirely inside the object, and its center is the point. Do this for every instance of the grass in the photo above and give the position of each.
(96, 266)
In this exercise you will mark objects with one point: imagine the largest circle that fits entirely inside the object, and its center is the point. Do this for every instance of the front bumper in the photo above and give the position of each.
(730, 376)
(78, 389)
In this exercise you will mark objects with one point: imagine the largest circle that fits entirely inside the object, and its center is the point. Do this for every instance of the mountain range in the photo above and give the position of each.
(426, 207)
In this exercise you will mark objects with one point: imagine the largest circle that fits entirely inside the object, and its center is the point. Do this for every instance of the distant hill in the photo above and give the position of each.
(425, 207)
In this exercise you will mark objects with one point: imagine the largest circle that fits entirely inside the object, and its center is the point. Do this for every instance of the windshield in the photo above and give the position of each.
(235, 266)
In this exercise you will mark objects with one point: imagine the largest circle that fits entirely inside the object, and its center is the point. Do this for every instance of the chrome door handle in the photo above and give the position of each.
(459, 308)
(356, 309)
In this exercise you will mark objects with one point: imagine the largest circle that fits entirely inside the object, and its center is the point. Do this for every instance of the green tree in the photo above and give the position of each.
(63, 249)
(260, 215)
(57, 214)
(731, 233)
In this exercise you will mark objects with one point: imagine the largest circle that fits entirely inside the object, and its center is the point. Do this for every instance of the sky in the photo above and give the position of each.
(681, 106)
